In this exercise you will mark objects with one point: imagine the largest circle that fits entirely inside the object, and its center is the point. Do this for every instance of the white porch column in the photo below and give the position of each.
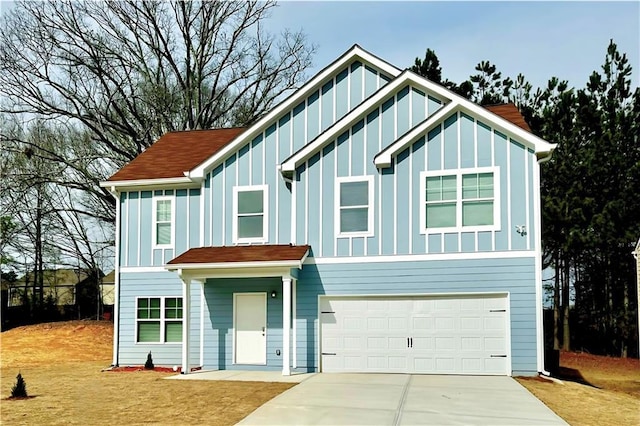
(294, 327)
(186, 323)
(286, 326)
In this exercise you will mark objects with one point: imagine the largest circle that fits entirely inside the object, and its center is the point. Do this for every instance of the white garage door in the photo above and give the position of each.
(436, 335)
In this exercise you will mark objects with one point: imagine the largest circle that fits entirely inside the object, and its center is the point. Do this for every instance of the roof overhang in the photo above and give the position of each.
(239, 261)
(142, 184)
(355, 53)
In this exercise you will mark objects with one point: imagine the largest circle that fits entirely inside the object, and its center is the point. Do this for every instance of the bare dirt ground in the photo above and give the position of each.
(62, 362)
(596, 390)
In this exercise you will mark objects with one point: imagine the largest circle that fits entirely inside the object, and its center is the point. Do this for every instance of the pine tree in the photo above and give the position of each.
(149, 364)
(19, 390)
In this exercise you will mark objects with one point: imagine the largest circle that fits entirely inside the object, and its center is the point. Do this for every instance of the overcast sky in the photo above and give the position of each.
(539, 39)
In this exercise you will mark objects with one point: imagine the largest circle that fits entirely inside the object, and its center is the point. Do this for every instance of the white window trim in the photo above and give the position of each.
(338, 209)
(458, 173)
(265, 214)
(162, 320)
(154, 212)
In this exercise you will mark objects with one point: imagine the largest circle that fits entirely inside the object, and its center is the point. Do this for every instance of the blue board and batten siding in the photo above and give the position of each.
(457, 142)
(136, 230)
(256, 162)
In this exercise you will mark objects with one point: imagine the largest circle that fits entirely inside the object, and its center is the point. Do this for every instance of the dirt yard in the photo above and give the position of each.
(62, 362)
(595, 390)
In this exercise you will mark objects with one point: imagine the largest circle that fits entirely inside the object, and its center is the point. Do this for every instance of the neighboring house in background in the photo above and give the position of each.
(58, 284)
(373, 221)
(107, 288)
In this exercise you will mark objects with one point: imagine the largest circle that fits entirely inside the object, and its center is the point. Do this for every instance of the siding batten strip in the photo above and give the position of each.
(493, 164)
(508, 141)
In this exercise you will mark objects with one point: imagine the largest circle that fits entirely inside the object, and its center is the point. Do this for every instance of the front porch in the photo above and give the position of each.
(250, 294)
(244, 376)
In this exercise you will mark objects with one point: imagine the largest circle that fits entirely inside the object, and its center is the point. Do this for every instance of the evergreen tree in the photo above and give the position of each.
(19, 390)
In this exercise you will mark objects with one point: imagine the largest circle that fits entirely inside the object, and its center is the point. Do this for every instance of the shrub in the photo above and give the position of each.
(149, 364)
(19, 390)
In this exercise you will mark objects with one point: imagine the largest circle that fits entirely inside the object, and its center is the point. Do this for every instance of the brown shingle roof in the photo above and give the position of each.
(176, 152)
(255, 253)
(510, 113)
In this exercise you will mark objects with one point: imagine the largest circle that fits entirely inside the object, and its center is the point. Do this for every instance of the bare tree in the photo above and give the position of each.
(118, 75)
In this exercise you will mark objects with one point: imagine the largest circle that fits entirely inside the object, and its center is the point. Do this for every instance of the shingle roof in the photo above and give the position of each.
(510, 113)
(176, 152)
(254, 253)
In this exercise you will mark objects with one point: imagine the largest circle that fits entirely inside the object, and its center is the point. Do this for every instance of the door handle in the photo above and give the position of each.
(408, 343)
(411, 341)
(263, 331)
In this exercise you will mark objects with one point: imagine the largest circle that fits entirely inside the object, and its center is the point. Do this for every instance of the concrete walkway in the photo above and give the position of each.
(397, 399)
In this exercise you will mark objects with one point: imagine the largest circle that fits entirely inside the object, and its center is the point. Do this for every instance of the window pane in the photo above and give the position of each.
(163, 233)
(155, 302)
(354, 194)
(477, 213)
(485, 184)
(250, 202)
(448, 187)
(173, 331)
(434, 188)
(143, 313)
(354, 220)
(163, 212)
(250, 226)
(143, 303)
(170, 302)
(149, 331)
(469, 186)
(441, 215)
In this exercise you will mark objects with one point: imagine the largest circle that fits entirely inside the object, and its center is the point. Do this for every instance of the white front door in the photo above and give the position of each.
(250, 325)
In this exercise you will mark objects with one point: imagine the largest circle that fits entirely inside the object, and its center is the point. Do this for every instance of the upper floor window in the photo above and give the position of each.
(460, 200)
(159, 319)
(163, 216)
(250, 214)
(354, 206)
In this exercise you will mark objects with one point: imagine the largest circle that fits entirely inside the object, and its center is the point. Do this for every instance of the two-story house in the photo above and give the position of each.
(373, 221)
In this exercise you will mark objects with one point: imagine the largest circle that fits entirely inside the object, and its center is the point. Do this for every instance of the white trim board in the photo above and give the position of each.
(420, 257)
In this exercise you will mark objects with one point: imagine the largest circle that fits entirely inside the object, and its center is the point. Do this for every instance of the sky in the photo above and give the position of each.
(538, 39)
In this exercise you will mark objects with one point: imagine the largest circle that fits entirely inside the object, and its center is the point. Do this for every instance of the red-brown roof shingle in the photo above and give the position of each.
(254, 253)
(510, 113)
(176, 152)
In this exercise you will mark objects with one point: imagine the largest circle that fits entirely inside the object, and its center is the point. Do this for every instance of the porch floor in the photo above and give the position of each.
(244, 376)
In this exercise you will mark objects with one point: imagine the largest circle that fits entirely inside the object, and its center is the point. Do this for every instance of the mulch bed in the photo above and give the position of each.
(130, 368)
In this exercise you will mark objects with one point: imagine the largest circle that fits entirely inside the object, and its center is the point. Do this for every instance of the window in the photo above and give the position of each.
(163, 221)
(460, 200)
(354, 204)
(159, 320)
(250, 214)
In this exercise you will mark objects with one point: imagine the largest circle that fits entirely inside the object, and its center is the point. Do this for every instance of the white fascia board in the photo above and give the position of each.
(338, 127)
(138, 184)
(383, 158)
(235, 265)
(356, 52)
(538, 144)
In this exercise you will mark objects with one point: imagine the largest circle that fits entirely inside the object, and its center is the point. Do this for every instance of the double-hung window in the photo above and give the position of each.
(250, 214)
(163, 218)
(354, 206)
(159, 319)
(460, 200)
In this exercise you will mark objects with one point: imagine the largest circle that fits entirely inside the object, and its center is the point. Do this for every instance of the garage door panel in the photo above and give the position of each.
(438, 335)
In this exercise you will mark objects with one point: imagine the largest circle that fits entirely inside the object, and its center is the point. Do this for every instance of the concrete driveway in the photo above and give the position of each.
(398, 399)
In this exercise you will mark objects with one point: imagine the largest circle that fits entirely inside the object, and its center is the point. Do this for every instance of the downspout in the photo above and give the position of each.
(538, 268)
